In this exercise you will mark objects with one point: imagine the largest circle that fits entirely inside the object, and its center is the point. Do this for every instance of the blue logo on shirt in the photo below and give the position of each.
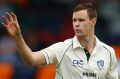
(100, 64)
(77, 63)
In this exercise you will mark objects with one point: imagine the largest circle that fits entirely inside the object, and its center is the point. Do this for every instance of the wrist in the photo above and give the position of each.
(18, 36)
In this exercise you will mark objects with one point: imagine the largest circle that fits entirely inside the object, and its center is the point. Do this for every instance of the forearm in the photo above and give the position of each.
(24, 51)
(13, 28)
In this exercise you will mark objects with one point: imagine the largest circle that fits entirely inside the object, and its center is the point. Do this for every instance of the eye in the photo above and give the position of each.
(74, 20)
(81, 20)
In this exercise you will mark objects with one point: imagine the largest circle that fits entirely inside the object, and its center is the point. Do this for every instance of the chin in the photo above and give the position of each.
(80, 35)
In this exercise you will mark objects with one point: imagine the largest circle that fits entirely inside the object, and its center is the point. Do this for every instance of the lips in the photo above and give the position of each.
(76, 30)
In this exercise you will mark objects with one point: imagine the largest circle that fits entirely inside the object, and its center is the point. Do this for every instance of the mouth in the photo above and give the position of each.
(77, 31)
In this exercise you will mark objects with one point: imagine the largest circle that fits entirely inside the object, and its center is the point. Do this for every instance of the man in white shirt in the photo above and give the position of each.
(81, 57)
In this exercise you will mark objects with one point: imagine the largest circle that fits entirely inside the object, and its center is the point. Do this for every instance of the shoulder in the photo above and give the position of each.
(68, 42)
(62, 45)
(108, 47)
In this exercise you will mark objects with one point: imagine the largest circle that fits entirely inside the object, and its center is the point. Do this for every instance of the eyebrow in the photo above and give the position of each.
(80, 19)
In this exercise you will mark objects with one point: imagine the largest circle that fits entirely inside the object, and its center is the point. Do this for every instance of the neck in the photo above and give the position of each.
(88, 42)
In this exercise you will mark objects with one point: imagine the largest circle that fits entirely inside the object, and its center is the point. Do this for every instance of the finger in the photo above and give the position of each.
(9, 16)
(5, 25)
(14, 16)
(6, 20)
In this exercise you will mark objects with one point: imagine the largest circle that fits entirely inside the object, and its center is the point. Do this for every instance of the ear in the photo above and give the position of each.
(93, 21)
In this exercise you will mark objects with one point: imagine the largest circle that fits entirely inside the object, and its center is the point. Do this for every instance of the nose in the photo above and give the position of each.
(77, 24)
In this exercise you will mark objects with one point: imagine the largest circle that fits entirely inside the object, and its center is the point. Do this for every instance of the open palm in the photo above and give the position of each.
(11, 24)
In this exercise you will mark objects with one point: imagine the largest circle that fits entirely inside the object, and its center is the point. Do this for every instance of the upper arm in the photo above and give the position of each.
(39, 59)
(113, 69)
(48, 55)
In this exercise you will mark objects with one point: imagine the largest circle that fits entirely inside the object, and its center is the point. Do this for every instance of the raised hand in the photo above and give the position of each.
(11, 24)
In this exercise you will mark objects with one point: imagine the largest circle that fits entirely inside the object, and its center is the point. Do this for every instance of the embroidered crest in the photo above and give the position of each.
(100, 64)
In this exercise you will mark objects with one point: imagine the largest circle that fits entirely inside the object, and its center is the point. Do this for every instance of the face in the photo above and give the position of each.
(82, 25)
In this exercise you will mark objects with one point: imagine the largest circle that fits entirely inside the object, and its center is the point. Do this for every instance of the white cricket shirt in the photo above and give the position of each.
(71, 60)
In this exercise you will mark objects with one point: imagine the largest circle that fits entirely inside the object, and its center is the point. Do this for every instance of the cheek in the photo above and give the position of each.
(88, 26)
(73, 24)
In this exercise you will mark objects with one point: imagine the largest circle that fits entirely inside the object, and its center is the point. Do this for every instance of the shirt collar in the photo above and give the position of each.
(77, 44)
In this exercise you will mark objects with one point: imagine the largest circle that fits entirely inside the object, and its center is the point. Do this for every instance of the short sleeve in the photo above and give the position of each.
(51, 53)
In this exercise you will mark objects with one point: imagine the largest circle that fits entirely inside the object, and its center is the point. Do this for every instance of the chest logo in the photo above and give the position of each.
(77, 63)
(100, 64)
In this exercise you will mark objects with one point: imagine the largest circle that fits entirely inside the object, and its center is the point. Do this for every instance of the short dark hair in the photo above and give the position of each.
(91, 10)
